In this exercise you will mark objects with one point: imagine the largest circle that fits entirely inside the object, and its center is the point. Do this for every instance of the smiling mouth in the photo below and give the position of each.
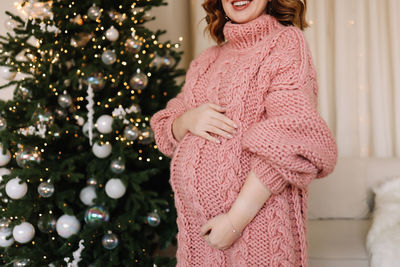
(241, 3)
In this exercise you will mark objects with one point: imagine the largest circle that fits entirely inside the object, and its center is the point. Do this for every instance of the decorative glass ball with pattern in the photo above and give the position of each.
(95, 215)
(96, 80)
(3, 123)
(64, 100)
(132, 45)
(43, 117)
(24, 93)
(28, 155)
(109, 57)
(46, 189)
(146, 136)
(131, 132)
(153, 219)
(21, 262)
(94, 12)
(117, 166)
(139, 81)
(47, 223)
(4, 223)
(109, 240)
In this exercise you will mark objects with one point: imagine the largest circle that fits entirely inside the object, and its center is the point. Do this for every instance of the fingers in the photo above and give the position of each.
(216, 107)
(218, 131)
(205, 229)
(225, 122)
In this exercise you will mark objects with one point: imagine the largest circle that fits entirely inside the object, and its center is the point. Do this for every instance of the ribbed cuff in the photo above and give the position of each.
(268, 175)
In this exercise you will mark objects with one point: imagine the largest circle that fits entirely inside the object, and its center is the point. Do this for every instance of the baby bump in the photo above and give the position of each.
(203, 176)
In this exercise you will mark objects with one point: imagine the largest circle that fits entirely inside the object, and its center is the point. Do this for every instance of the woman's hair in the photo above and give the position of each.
(287, 12)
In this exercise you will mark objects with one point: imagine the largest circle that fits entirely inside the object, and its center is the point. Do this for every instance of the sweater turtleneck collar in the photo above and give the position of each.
(245, 35)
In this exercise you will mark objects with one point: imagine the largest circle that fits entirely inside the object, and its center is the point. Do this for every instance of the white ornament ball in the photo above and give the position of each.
(6, 73)
(4, 158)
(67, 225)
(24, 232)
(15, 189)
(87, 195)
(112, 34)
(3, 171)
(102, 151)
(115, 188)
(104, 124)
(4, 242)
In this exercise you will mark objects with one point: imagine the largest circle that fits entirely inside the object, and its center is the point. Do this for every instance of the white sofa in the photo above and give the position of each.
(340, 208)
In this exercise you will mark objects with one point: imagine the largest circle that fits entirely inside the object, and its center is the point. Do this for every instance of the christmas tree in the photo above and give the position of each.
(81, 180)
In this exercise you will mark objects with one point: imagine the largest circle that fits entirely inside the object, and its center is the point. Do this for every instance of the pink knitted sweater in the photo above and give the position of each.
(265, 77)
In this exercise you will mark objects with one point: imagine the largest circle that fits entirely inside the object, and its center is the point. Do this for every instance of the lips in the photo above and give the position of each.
(240, 4)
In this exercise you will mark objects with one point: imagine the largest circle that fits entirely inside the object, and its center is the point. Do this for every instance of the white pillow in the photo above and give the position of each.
(342, 194)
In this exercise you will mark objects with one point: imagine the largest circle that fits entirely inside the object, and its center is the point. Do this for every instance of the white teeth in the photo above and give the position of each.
(241, 3)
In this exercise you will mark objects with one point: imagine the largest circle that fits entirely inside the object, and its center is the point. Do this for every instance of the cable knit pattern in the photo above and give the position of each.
(265, 78)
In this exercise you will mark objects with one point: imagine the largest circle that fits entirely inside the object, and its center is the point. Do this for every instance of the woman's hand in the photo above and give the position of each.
(205, 118)
(217, 232)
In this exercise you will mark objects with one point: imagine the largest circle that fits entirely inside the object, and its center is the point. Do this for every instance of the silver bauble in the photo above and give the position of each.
(153, 219)
(4, 223)
(131, 132)
(94, 12)
(139, 81)
(146, 136)
(21, 262)
(28, 155)
(132, 45)
(64, 100)
(109, 240)
(47, 223)
(117, 166)
(45, 189)
(3, 123)
(108, 57)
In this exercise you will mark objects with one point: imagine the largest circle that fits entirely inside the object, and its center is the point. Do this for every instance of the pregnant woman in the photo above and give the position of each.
(246, 139)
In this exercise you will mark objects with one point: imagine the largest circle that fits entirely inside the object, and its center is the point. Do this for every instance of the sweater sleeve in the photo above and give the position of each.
(161, 121)
(291, 143)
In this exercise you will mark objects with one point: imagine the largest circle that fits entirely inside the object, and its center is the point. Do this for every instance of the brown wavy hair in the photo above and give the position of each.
(287, 12)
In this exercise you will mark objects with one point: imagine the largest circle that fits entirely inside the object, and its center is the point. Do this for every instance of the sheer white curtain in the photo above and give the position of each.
(356, 49)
